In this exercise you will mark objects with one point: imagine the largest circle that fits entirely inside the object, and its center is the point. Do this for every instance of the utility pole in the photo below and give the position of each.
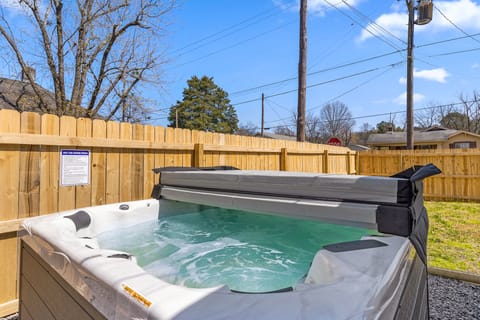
(263, 114)
(302, 72)
(425, 14)
(411, 17)
(176, 118)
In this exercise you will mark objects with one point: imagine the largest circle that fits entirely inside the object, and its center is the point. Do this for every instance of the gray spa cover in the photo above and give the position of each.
(367, 189)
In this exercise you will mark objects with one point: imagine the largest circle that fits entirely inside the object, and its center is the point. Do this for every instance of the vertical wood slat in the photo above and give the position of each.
(326, 160)
(83, 192)
(112, 183)
(66, 195)
(148, 163)
(99, 165)
(49, 165)
(10, 167)
(29, 182)
(198, 155)
(169, 158)
(137, 164)
(284, 159)
(126, 171)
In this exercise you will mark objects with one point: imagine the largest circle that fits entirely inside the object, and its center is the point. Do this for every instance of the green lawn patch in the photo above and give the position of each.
(454, 236)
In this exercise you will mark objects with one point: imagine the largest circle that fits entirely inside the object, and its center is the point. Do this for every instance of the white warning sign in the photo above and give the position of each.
(74, 167)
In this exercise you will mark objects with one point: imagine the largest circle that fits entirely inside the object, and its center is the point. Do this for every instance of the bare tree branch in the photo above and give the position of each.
(24, 67)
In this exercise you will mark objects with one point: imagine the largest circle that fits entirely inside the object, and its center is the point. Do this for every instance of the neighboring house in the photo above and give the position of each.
(276, 136)
(357, 147)
(19, 95)
(431, 138)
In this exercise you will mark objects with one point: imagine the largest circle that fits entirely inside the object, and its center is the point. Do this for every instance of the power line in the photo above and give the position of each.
(454, 52)
(384, 40)
(320, 71)
(446, 40)
(233, 45)
(228, 28)
(389, 113)
(373, 22)
(342, 94)
(362, 61)
(322, 83)
(457, 27)
(223, 36)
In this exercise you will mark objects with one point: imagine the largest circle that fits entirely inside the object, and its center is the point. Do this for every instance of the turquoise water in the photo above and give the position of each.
(246, 251)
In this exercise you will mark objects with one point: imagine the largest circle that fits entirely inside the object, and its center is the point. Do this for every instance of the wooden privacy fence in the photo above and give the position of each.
(122, 157)
(459, 180)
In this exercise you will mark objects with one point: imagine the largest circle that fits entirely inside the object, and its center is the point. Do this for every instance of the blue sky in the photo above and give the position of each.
(251, 43)
(356, 55)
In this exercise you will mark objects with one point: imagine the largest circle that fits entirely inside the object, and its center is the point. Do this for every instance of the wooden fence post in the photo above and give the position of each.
(348, 162)
(325, 161)
(283, 159)
(198, 155)
(357, 163)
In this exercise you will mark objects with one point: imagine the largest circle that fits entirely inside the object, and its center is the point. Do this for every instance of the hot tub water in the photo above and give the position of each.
(246, 251)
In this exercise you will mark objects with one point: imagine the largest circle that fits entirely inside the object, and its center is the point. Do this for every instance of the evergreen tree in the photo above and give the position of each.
(205, 106)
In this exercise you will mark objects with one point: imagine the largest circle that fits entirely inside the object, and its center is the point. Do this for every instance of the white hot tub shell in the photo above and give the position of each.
(377, 277)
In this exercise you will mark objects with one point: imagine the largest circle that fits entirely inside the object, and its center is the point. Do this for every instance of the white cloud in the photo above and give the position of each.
(476, 66)
(438, 74)
(318, 7)
(402, 99)
(463, 13)
(321, 6)
(395, 23)
(12, 5)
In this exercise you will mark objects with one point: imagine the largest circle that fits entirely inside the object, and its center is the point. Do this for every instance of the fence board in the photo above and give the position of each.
(29, 183)
(99, 164)
(170, 154)
(460, 170)
(137, 164)
(66, 194)
(126, 171)
(83, 192)
(10, 160)
(112, 183)
(148, 163)
(49, 173)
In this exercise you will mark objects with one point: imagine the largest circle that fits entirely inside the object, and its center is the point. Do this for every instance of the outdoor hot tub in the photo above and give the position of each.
(233, 244)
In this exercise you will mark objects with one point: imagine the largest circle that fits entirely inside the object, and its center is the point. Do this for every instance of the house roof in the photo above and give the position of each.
(278, 136)
(357, 147)
(19, 95)
(436, 135)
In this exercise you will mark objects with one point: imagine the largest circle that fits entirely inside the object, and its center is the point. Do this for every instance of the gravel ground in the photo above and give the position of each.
(453, 299)
(449, 300)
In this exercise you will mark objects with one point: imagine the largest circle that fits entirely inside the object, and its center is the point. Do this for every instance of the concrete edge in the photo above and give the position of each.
(454, 274)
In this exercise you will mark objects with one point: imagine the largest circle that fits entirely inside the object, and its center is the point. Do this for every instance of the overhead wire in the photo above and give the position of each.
(378, 36)
(375, 115)
(230, 28)
(321, 83)
(456, 26)
(377, 26)
(321, 71)
(232, 46)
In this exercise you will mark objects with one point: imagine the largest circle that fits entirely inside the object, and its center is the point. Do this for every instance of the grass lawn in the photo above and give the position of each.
(454, 236)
